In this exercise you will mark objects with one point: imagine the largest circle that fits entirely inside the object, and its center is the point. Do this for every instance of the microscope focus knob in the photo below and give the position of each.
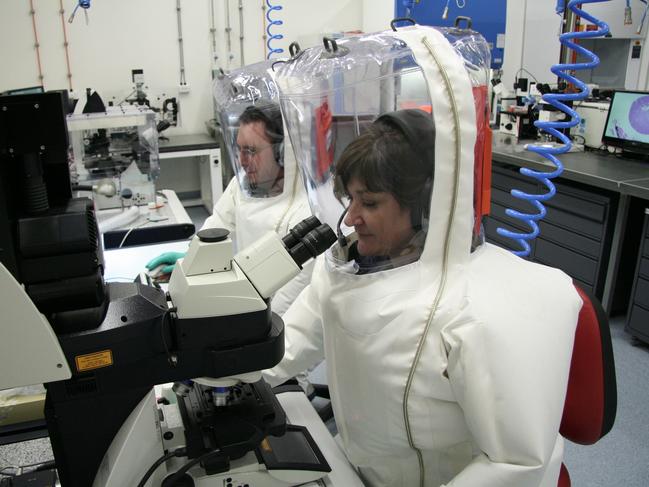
(213, 235)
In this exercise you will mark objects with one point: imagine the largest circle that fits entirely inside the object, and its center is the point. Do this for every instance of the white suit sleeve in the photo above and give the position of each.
(303, 338)
(288, 293)
(510, 380)
(223, 214)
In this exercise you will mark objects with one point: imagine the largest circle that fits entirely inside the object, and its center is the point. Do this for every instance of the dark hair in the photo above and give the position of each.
(385, 160)
(270, 115)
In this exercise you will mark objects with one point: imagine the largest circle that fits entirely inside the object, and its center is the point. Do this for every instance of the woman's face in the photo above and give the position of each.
(382, 225)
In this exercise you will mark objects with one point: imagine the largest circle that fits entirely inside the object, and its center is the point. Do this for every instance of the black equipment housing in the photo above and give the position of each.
(119, 339)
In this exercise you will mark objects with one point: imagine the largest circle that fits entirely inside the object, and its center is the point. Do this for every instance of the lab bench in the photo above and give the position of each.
(209, 175)
(589, 230)
(163, 224)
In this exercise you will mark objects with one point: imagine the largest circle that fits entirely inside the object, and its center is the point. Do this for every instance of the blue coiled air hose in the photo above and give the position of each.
(556, 100)
(271, 23)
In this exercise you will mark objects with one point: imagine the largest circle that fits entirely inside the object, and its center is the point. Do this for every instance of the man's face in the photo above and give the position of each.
(382, 225)
(256, 156)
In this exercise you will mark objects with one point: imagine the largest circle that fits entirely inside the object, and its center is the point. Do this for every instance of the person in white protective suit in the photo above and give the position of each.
(266, 193)
(447, 366)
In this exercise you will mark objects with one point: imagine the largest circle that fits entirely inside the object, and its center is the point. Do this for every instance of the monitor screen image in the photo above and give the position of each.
(627, 125)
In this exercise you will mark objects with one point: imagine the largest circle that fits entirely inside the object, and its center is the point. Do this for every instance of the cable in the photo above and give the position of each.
(66, 44)
(644, 17)
(85, 5)
(20, 468)
(523, 70)
(583, 139)
(181, 48)
(552, 128)
(37, 45)
(126, 99)
(263, 20)
(179, 452)
(215, 55)
(126, 236)
(174, 477)
(243, 62)
(271, 36)
(628, 13)
(133, 227)
(228, 31)
(342, 241)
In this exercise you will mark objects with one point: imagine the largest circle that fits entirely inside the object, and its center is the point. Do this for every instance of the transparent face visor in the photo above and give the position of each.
(252, 128)
(255, 139)
(362, 129)
(365, 146)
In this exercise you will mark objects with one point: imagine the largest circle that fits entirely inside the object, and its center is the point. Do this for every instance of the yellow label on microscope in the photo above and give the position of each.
(94, 360)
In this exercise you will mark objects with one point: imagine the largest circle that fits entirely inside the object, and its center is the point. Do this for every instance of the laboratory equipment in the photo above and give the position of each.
(115, 154)
(627, 123)
(100, 348)
(592, 120)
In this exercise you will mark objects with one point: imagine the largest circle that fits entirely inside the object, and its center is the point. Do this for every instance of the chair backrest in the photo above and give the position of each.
(591, 399)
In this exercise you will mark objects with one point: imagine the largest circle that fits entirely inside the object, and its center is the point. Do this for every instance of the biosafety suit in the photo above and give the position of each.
(450, 370)
(247, 213)
(248, 218)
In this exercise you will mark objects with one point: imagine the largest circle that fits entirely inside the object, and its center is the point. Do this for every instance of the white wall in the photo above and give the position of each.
(377, 15)
(127, 34)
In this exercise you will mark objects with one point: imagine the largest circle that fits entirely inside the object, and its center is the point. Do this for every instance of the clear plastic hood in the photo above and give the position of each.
(247, 102)
(330, 95)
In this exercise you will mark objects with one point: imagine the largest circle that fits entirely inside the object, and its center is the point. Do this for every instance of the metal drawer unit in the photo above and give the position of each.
(503, 179)
(637, 320)
(574, 236)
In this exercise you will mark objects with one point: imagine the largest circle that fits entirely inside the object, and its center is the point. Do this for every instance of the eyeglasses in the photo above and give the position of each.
(251, 150)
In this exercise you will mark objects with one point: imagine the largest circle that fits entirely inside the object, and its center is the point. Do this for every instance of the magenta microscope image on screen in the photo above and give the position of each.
(629, 117)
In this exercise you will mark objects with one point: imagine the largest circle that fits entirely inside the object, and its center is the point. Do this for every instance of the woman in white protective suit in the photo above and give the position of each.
(447, 362)
(266, 193)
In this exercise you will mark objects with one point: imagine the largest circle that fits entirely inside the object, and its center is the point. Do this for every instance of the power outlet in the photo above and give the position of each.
(183, 88)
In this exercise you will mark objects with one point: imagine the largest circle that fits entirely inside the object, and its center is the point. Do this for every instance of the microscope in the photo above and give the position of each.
(100, 348)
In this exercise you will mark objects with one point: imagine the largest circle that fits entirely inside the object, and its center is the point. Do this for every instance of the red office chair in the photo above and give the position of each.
(591, 399)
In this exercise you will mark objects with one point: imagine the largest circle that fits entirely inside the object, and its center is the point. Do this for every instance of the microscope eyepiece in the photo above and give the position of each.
(299, 231)
(312, 244)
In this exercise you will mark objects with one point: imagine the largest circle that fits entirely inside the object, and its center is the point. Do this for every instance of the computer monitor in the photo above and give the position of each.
(627, 124)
